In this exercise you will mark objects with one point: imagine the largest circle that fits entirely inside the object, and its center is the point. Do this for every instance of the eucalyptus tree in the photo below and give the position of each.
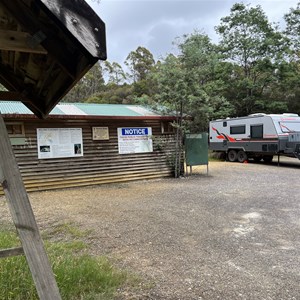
(193, 81)
(189, 86)
(140, 62)
(172, 97)
(254, 47)
(292, 31)
(289, 72)
(115, 72)
(203, 66)
(90, 84)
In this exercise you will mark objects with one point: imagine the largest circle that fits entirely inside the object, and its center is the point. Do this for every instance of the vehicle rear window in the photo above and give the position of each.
(290, 126)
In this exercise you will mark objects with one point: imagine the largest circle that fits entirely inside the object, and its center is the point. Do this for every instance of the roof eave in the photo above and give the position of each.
(85, 117)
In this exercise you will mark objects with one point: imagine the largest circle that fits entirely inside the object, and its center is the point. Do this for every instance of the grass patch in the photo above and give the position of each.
(78, 274)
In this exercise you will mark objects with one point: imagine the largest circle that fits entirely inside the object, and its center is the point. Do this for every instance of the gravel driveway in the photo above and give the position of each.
(234, 234)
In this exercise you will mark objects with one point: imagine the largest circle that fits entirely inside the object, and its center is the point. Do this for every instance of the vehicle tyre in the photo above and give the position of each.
(232, 155)
(268, 158)
(242, 156)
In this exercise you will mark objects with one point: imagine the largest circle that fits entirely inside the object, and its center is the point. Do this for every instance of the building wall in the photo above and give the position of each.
(101, 162)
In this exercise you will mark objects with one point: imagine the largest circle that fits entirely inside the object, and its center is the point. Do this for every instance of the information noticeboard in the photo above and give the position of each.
(59, 142)
(135, 140)
(100, 133)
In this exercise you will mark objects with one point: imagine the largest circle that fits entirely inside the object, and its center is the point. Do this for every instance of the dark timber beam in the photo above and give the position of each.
(52, 43)
(18, 41)
(13, 96)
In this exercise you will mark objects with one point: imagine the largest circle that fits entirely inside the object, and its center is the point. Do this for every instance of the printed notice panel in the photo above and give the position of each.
(59, 142)
(100, 133)
(135, 140)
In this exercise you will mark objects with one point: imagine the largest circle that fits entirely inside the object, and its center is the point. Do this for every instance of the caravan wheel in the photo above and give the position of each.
(232, 155)
(242, 156)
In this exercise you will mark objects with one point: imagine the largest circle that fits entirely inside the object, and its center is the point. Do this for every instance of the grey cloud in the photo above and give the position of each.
(155, 24)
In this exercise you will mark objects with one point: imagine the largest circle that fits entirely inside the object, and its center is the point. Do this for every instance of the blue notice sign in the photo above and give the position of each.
(135, 140)
(135, 131)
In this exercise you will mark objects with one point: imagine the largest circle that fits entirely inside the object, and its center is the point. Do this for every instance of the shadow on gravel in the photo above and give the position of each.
(284, 162)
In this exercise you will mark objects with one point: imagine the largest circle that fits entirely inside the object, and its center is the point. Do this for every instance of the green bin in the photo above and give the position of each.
(196, 149)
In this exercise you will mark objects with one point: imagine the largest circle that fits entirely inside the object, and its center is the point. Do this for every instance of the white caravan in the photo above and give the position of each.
(258, 136)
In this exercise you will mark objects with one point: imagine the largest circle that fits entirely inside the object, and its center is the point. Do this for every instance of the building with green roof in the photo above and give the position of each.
(82, 144)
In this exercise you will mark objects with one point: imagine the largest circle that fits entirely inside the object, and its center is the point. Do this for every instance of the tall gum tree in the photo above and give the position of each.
(254, 46)
(140, 62)
(203, 67)
(290, 70)
(114, 72)
(188, 84)
(292, 31)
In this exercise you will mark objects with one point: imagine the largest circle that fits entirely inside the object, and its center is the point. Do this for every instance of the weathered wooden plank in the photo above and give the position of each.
(90, 166)
(18, 41)
(24, 221)
(96, 177)
(98, 182)
(11, 252)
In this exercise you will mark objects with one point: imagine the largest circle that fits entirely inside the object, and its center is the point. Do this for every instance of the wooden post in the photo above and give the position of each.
(24, 220)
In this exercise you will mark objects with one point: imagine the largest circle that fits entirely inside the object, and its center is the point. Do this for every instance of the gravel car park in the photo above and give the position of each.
(233, 234)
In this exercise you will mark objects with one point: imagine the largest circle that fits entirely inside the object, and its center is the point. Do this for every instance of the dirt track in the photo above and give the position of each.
(231, 235)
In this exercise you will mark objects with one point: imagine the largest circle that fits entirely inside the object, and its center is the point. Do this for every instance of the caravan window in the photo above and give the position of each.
(257, 131)
(238, 129)
(289, 126)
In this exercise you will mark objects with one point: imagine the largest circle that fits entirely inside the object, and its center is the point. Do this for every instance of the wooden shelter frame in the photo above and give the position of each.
(46, 46)
(24, 221)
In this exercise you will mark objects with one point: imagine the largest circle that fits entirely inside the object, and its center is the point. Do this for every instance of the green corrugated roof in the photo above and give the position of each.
(15, 107)
(87, 109)
(11, 107)
(106, 109)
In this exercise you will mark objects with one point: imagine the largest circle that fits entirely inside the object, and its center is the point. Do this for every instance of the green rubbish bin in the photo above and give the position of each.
(196, 150)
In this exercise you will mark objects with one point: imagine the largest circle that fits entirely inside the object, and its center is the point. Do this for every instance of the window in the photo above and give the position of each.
(256, 131)
(167, 128)
(238, 129)
(225, 124)
(289, 126)
(15, 129)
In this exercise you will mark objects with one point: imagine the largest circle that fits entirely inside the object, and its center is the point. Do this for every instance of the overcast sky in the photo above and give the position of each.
(155, 24)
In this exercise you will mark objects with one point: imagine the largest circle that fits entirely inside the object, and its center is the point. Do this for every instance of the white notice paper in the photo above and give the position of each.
(59, 142)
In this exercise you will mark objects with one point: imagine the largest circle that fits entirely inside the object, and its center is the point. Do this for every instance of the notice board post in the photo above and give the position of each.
(25, 223)
(196, 150)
